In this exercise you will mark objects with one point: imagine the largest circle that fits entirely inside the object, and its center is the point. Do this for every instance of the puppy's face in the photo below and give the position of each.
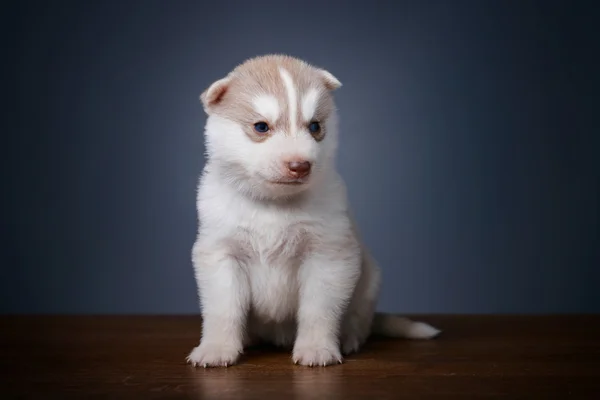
(272, 126)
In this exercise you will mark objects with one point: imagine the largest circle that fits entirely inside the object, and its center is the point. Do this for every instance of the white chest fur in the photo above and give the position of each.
(272, 260)
(269, 241)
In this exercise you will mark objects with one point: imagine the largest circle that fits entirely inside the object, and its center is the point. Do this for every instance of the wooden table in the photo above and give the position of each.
(90, 357)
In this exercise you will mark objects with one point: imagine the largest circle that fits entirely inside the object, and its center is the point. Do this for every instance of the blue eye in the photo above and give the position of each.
(261, 127)
(314, 127)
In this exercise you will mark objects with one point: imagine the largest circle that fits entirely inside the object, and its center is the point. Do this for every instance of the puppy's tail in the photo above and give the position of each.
(400, 327)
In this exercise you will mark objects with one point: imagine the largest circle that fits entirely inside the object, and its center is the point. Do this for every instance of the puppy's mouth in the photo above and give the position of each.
(294, 182)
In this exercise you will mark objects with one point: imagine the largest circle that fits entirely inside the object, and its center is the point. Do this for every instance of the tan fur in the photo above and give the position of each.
(232, 96)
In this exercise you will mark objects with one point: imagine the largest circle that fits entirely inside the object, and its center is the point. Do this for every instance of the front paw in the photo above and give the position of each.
(321, 354)
(214, 355)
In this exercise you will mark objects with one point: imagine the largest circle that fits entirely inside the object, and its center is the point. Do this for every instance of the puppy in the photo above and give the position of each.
(277, 256)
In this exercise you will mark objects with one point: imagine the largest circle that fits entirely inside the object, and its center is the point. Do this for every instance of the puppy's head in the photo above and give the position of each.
(272, 125)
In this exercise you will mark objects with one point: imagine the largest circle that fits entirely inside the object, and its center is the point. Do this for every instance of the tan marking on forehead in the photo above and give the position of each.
(261, 78)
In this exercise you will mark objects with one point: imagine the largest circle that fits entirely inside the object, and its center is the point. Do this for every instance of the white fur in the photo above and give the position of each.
(282, 263)
(309, 104)
(267, 106)
(292, 98)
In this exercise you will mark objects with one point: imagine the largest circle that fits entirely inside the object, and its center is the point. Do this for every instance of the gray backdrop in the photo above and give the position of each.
(469, 145)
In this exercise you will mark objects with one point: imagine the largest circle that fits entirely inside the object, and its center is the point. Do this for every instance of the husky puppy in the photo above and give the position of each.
(277, 256)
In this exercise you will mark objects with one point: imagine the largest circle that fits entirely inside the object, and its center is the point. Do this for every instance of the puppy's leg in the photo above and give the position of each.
(356, 327)
(224, 297)
(326, 285)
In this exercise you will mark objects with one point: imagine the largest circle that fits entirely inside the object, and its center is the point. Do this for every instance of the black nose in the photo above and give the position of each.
(299, 169)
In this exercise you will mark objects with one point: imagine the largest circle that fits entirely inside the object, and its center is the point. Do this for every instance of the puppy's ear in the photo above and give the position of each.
(331, 82)
(214, 94)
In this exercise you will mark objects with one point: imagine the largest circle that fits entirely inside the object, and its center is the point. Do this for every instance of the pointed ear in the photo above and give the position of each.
(331, 82)
(214, 94)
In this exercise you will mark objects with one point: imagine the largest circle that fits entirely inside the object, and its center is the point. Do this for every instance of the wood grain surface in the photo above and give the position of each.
(113, 357)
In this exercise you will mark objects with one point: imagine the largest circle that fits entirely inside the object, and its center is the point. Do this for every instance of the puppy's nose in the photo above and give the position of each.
(299, 169)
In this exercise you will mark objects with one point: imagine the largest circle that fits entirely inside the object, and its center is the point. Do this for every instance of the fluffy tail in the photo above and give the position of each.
(399, 327)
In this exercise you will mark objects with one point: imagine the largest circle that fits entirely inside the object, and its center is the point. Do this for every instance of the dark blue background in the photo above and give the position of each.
(469, 144)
